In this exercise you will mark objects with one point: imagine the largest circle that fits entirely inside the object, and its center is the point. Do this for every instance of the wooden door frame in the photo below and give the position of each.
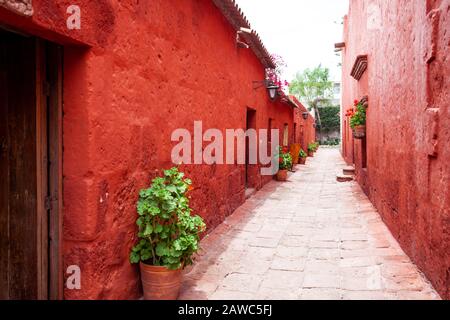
(49, 101)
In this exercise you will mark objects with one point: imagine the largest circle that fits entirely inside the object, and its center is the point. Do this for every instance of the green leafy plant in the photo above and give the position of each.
(357, 115)
(303, 154)
(330, 118)
(168, 232)
(284, 159)
(311, 147)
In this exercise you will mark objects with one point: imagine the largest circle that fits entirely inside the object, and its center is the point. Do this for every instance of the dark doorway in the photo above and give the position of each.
(251, 124)
(295, 133)
(30, 167)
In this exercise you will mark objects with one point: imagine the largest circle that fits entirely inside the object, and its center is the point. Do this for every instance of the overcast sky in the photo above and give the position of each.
(302, 31)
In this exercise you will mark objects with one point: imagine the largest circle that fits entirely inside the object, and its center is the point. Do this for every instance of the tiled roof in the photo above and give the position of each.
(237, 19)
(290, 100)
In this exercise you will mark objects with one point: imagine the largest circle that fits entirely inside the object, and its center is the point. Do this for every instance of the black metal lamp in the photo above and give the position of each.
(272, 90)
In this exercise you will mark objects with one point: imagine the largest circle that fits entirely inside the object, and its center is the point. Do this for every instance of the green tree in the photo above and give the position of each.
(330, 118)
(313, 86)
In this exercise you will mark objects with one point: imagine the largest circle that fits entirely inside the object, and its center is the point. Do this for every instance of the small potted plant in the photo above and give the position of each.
(357, 120)
(168, 233)
(285, 163)
(311, 149)
(302, 157)
(316, 146)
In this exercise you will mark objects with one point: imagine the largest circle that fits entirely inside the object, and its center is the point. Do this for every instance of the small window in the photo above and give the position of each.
(286, 135)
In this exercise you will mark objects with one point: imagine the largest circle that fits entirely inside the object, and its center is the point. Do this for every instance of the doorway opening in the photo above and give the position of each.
(30, 167)
(249, 168)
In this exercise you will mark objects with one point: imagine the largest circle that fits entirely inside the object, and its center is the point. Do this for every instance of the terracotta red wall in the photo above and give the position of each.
(408, 122)
(306, 133)
(135, 72)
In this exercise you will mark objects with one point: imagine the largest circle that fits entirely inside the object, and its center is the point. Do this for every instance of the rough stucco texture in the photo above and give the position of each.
(408, 123)
(23, 7)
(154, 66)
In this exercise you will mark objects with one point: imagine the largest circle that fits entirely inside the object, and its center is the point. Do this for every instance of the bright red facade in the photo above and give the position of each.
(404, 162)
(135, 72)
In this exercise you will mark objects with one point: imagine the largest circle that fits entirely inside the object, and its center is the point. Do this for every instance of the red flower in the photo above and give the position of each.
(280, 160)
(356, 102)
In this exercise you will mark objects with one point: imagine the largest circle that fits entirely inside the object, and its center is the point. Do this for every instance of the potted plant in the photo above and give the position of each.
(357, 120)
(285, 163)
(316, 146)
(168, 233)
(302, 157)
(311, 149)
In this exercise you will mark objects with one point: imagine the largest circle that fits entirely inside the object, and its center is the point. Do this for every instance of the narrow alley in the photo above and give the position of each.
(309, 238)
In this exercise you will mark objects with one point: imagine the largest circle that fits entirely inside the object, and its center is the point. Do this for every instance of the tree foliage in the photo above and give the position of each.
(312, 85)
(330, 118)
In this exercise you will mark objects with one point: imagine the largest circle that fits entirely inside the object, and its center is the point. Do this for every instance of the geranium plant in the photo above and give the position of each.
(357, 115)
(285, 159)
(303, 154)
(168, 232)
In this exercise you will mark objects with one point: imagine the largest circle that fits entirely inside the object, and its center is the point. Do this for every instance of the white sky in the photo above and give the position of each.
(303, 32)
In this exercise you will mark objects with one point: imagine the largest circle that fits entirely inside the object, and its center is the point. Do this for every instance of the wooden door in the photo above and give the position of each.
(27, 123)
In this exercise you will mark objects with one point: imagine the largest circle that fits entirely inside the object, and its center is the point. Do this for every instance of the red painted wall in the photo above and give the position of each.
(306, 133)
(408, 122)
(151, 67)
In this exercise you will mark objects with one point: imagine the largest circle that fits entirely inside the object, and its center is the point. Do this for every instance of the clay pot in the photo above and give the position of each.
(302, 160)
(160, 283)
(282, 175)
(359, 132)
(311, 154)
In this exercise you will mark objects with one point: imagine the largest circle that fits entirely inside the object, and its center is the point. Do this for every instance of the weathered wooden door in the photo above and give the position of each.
(29, 163)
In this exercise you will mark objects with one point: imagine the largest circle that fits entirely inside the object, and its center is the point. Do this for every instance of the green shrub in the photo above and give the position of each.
(168, 233)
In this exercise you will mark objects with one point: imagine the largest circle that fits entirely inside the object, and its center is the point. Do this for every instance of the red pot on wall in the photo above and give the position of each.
(160, 283)
(311, 154)
(359, 132)
(302, 160)
(282, 175)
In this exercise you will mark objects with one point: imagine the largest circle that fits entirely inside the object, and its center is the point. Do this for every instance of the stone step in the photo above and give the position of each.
(249, 192)
(349, 171)
(344, 178)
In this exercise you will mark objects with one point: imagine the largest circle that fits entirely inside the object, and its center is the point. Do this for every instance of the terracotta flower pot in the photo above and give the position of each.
(160, 283)
(311, 154)
(282, 175)
(359, 132)
(302, 160)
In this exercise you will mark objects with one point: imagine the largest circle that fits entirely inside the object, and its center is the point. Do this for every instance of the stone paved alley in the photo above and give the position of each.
(308, 238)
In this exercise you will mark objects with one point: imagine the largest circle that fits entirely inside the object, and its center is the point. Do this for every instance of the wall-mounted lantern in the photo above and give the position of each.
(272, 89)
(305, 115)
